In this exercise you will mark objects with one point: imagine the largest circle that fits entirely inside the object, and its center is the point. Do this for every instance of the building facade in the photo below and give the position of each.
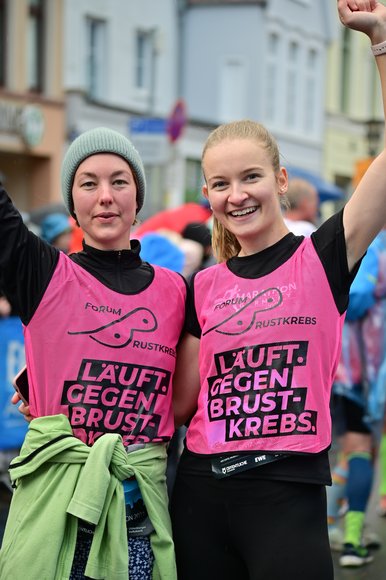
(32, 112)
(353, 106)
(128, 63)
(264, 60)
(120, 71)
(165, 72)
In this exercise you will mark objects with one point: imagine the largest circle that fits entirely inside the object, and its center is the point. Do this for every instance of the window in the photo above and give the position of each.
(3, 42)
(233, 89)
(310, 92)
(271, 87)
(35, 45)
(144, 70)
(194, 181)
(96, 58)
(292, 84)
(346, 71)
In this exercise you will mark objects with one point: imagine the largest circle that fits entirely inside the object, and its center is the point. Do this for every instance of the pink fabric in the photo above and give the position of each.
(103, 358)
(269, 351)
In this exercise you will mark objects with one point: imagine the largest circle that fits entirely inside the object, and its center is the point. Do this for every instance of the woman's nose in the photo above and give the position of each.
(105, 195)
(236, 193)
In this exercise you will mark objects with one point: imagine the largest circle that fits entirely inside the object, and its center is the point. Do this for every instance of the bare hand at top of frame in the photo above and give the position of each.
(367, 16)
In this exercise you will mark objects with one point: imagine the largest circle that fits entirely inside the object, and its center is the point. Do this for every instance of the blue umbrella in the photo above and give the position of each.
(327, 191)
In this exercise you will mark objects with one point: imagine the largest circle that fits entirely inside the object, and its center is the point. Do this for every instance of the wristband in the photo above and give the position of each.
(378, 49)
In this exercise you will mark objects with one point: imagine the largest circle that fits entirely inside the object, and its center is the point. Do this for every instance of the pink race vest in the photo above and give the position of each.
(103, 358)
(268, 355)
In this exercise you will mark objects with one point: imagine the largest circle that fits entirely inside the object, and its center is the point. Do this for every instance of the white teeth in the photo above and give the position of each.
(243, 211)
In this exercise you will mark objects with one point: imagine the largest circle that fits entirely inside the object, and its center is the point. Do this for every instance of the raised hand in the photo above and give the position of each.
(367, 16)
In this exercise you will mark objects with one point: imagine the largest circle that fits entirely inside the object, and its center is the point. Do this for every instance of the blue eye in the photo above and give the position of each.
(219, 185)
(252, 176)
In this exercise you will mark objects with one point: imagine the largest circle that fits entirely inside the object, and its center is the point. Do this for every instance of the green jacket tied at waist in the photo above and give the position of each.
(58, 479)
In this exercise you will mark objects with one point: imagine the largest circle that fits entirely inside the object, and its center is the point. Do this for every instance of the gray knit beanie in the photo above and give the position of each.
(100, 140)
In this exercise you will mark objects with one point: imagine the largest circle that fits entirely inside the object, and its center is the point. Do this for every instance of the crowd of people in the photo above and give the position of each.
(235, 334)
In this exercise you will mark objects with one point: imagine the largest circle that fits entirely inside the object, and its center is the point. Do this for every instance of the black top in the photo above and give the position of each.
(25, 271)
(330, 245)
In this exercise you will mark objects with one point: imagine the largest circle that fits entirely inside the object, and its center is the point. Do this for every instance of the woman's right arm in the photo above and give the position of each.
(186, 380)
(26, 261)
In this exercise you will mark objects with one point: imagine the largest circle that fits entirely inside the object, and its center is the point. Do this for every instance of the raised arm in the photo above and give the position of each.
(26, 261)
(365, 212)
(186, 381)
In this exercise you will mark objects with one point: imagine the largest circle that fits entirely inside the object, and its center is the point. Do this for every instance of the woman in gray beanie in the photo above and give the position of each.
(101, 140)
(104, 308)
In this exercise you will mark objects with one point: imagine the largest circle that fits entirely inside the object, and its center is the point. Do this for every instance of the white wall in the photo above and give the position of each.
(123, 18)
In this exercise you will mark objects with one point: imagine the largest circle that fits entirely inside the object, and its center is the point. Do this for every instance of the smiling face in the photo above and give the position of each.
(104, 194)
(244, 192)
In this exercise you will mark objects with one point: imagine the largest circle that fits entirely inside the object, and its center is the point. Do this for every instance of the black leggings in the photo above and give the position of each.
(141, 557)
(275, 531)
